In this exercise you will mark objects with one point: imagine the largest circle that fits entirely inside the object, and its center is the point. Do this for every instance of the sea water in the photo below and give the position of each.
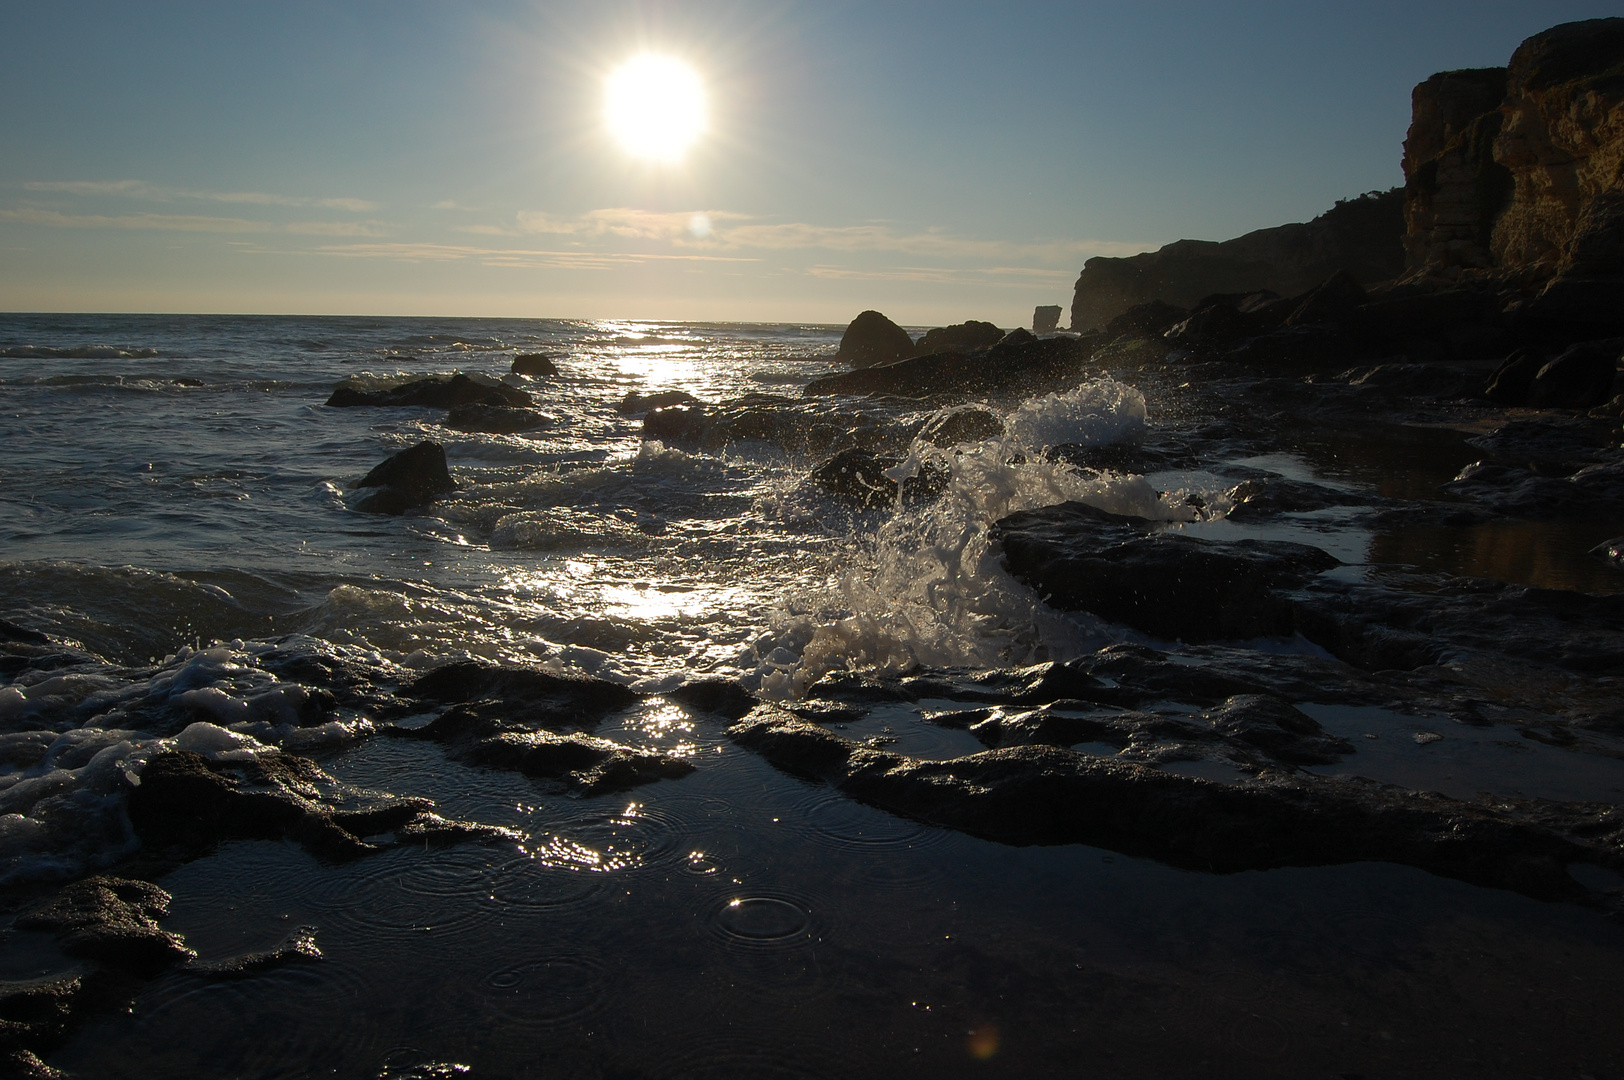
(178, 504)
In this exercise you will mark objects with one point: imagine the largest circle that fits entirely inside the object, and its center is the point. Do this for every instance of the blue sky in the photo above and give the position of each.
(938, 161)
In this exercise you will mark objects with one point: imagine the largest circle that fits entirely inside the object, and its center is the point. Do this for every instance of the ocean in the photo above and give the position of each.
(185, 567)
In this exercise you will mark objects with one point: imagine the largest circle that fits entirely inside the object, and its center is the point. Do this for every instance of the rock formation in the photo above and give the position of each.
(872, 339)
(1045, 318)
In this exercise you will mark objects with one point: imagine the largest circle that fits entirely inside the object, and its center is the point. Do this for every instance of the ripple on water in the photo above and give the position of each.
(443, 890)
(606, 838)
(723, 1057)
(532, 882)
(883, 850)
(543, 991)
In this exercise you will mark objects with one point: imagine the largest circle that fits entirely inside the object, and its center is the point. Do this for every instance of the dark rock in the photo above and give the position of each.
(1424, 314)
(10, 631)
(1045, 318)
(859, 475)
(585, 761)
(1078, 557)
(1454, 189)
(534, 365)
(1610, 551)
(1512, 381)
(1579, 378)
(435, 392)
(1149, 319)
(186, 804)
(496, 419)
(35, 1015)
(414, 477)
(872, 339)
(960, 337)
(1045, 795)
(1019, 362)
(723, 697)
(634, 403)
(1595, 491)
(527, 696)
(1333, 301)
(675, 423)
(966, 424)
(1267, 497)
(1279, 730)
(298, 947)
(112, 921)
(1295, 348)
(1414, 380)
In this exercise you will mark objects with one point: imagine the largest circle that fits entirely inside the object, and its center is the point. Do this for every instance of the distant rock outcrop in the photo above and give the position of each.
(958, 338)
(1045, 318)
(1362, 236)
(872, 339)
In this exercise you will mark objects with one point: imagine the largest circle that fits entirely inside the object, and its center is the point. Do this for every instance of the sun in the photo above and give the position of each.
(655, 107)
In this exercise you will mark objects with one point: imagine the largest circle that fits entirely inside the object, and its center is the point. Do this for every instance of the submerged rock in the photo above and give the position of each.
(297, 948)
(872, 339)
(1078, 557)
(436, 392)
(1039, 794)
(860, 476)
(525, 695)
(585, 761)
(635, 404)
(112, 921)
(496, 419)
(36, 1016)
(412, 478)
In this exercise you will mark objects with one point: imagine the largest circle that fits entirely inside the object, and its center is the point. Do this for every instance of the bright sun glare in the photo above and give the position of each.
(655, 107)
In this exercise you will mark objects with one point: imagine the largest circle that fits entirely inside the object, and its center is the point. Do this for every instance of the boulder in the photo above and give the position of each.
(588, 763)
(1020, 361)
(496, 419)
(435, 392)
(527, 696)
(960, 337)
(1278, 729)
(1079, 557)
(1332, 301)
(966, 424)
(534, 365)
(1150, 319)
(414, 477)
(1514, 378)
(1045, 318)
(872, 339)
(1580, 378)
(860, 476)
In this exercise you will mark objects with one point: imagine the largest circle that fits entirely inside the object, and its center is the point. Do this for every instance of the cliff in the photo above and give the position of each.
(1516, 175)
(1362, 236)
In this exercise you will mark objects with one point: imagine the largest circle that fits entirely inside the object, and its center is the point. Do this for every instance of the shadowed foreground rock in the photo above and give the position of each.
(534, 365)
(496, 419)
(414, 477)
(112, 921)
(185, 805)
(1078, 557)
(1021, 361)
(512, 718)
(1048, 795)
(35, 1016)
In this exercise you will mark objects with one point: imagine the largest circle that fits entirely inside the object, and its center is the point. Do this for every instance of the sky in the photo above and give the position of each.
(937, 161)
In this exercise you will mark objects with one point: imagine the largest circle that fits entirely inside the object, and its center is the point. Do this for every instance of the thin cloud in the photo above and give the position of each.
(137, 189)
(723, 230)
(998, 276)
(511, 257)
(190, 223)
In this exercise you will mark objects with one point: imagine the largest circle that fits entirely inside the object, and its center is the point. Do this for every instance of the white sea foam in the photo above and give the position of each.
(929, 590)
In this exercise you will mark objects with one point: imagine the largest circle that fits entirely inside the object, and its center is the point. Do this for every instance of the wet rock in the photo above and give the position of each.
(1078, 557)
(299, 947)
(872, 339)
(585, 761)
(1150, 319)
(496, 419)
(1514, 378)
(112, 921)
(1610, 551)
(1423, 314)
(1581, 377)
(1045, 795)
(185, 805)
(1267, 497)
(1296, 348)
(955, 427)
(524, 696)
(1278, 729)
(794, 426)
(723, 697)
(675, 424)
(435, 392)
(35, 1015)
(1595, 491)
(960, 337)
(860, 476)
(636, 404)
(1019, 362)
(535, 365)
(412, 478)
(1414, 380)
(1045, 318)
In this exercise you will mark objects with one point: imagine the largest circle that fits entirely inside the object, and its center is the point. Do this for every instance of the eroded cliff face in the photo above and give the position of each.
(1518, 173)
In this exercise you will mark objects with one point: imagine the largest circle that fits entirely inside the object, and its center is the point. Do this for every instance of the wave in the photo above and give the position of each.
(74, 352)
